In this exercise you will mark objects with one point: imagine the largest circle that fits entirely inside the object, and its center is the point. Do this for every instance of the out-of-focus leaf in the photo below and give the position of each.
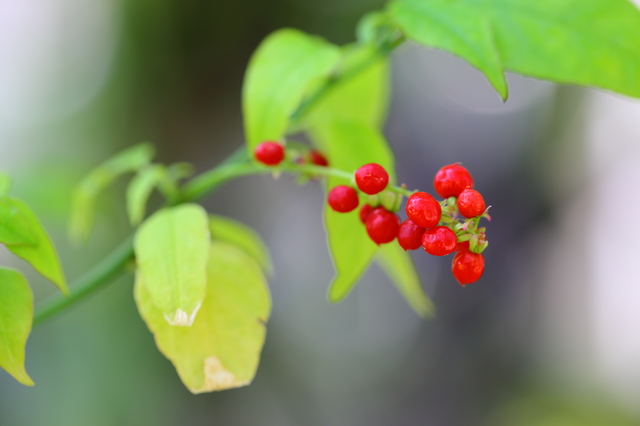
(172, 248)
(140, 189)
(590, 43)
(42, 255)
(5, 184)
(221, 350)
(16, 317)
(281, 71)
(240, 235)
(84, 197)
(14, 227)
(399, 267)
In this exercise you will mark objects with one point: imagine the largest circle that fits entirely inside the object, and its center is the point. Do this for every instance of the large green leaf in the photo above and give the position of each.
(399, 267)
(84, 197)
(140, 189)
(285, 66)
(42, 255)
(14, 227)
(16, 317)
(231, 231)
(591, 43)
(172, 248)
(221, 349)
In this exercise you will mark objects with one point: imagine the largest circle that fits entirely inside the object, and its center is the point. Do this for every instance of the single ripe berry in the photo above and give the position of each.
(372, 178)
(365, 211)
(410, 235)
(343, 198)
(318, 159)
(451, 180)
(463, 246)
(423, 210)
(382, 226)
(467, 267)
(470, 203)
(269, 153)
(439, 241)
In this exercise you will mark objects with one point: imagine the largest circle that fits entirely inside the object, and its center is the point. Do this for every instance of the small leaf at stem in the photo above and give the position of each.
(5, 184)
(16, 317)
(221, 350)
(140, 189)
(14, 227)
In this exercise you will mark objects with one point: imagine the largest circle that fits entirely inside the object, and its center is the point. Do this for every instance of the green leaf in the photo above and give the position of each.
(140, 189)
(5, 184)
(172, 248)
(590, 43)
(14, 227)
(84, 197)
(285, 66)
(42, 255)
(16, 317)
(221, 349)
(399, 267)
(241, 236)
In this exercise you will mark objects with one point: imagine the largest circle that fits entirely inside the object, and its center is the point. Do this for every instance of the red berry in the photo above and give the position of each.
(451, 180)
(463, 246)
(439, 241)
(470, 203)
(382, 226)
(269, 153)
(343, 198)
(423, 210)
(372, 178)
(410, 235)
(467, 267)
(365, 211)
(318, 159)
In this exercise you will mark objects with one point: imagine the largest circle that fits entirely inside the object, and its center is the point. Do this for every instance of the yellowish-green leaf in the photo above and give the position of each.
(221, 350)
(14, 227)
(172, 248)
(42, 255)
(399, 267)
(140, 189)
(16, 317)
(5, 184)
(240, 235)
(84, 197)
(281, 71)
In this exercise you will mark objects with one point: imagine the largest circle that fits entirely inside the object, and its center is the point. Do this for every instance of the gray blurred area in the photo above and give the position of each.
(549, 336)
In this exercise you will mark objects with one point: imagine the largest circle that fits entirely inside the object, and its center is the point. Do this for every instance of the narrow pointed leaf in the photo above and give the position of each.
(14, 226)
(240, 235)
(42, 255)
(399, 267)
(16, 317)
(221, 350)
(172, 249)
(139, 191)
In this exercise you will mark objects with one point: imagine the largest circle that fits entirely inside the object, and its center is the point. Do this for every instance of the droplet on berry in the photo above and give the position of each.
(423, 210)
(467, 267)
(439, 241)
(343, 198)
(451, 180)
(410, 235)
(372, 178)
(382, 226)
(365, 211)
(470, 203)
(269, 153)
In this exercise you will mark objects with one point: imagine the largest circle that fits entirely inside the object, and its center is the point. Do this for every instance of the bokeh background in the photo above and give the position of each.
(549, 336)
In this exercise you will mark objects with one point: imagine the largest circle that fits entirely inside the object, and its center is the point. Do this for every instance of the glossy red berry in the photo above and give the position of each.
(365, 211)
(423, 210)
(439, 241)
(372, 178)
(318, 159)
(463, 246)
(343, 198)
(410, 235)
(451, 180)
(269, 153)
(382, 226)
(470, 203)
(467, 267)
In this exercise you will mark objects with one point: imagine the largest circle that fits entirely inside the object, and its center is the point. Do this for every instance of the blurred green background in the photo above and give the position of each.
(550, 335)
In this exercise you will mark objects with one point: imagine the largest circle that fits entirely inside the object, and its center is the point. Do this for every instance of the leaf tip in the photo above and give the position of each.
(216, 377)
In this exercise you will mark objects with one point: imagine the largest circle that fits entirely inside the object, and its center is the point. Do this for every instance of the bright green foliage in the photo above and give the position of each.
(172, 248)
(5, 184)
(82, 209)
(233, 232)
(221, 350)
(140, 189)
(399, 267)
(591, 43)
(42, 255)
(16, 316)
(285, 66)
(14, 227)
